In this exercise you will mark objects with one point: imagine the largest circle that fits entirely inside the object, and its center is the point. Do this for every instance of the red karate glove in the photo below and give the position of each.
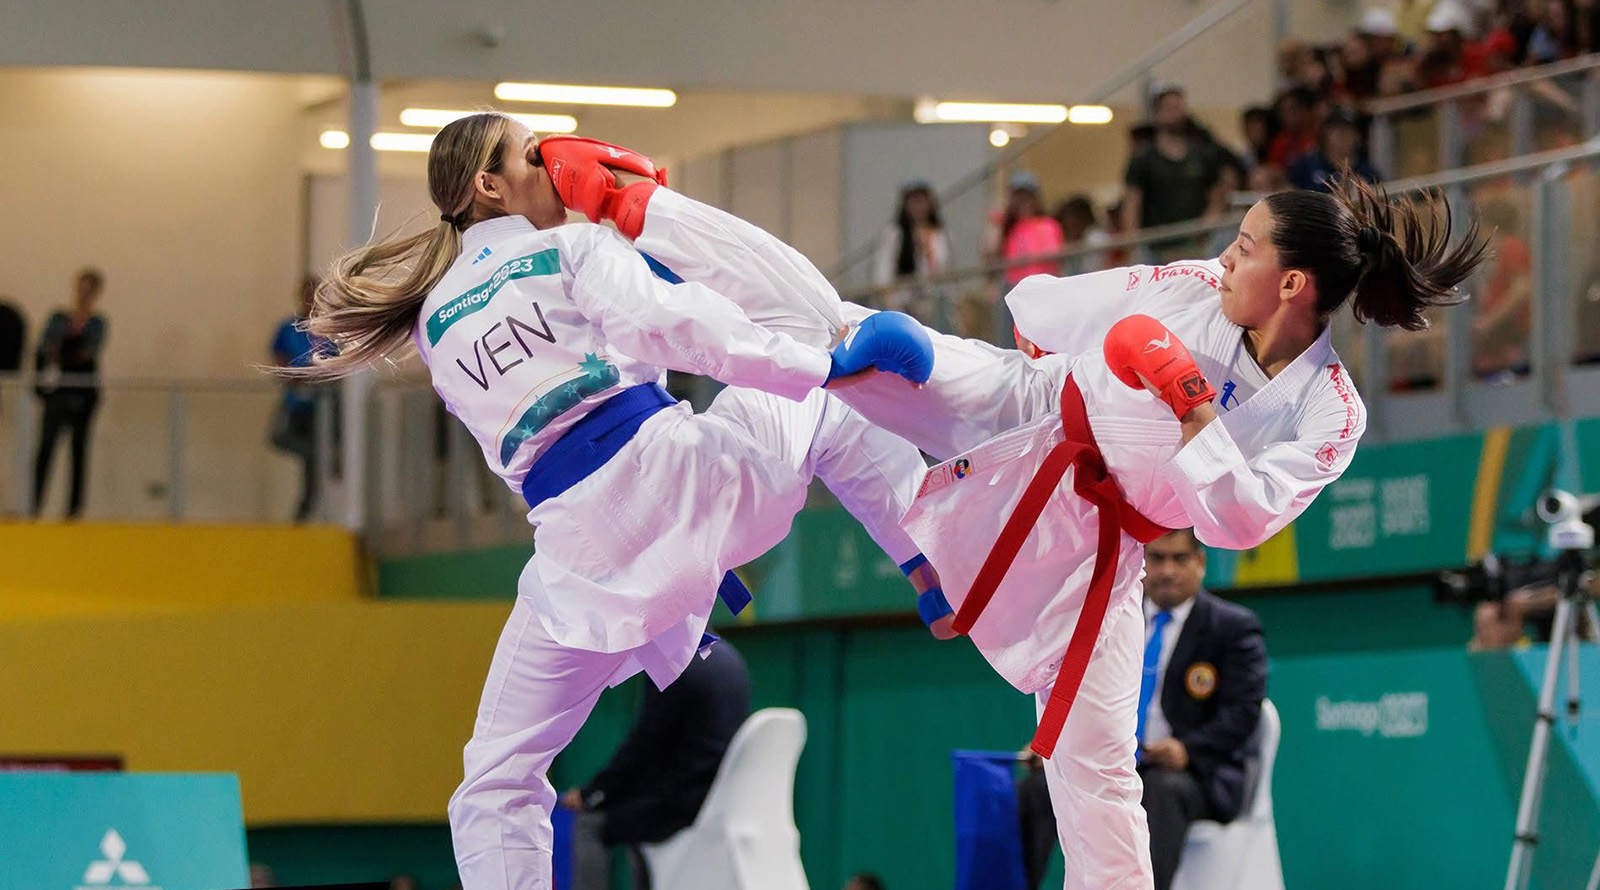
(1139, 346)
(582, 172)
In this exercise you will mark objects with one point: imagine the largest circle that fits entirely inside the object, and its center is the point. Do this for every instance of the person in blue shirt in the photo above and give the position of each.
(294, 426)
(1338, 145)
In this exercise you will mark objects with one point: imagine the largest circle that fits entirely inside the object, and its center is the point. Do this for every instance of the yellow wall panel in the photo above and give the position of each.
(336, 711)
(79, 568)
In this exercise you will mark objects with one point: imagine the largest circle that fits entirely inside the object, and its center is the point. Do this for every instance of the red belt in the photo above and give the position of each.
(1093, 483)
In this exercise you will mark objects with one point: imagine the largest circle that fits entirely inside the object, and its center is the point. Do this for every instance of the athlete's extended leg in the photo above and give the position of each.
(977, 390)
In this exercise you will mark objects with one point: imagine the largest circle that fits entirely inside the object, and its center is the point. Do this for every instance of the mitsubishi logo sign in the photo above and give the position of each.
(115, 869)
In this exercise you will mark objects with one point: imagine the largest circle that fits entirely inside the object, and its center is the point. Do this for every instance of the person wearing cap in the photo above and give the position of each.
(1338, 147)
(1380, 32)
(1450, 25)
(1175, 179)
(1367, 51)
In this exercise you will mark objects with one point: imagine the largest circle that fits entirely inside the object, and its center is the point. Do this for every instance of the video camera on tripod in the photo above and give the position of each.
(1491, 578)
(1572, 539)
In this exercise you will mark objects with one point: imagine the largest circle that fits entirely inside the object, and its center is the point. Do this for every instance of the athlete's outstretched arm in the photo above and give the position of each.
(686, 327)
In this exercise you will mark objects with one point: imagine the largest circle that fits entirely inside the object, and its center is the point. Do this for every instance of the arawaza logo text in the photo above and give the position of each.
(115, 869)
(1398, 715)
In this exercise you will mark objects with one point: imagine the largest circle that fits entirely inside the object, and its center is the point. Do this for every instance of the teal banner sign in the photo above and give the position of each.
(65, 831)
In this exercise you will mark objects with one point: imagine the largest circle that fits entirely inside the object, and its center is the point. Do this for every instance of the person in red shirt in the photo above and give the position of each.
(1298, 125)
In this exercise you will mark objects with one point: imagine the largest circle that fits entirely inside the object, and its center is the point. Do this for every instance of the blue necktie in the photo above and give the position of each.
(1152, 659)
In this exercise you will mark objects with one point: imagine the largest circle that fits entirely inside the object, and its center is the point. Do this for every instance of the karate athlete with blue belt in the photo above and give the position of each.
(548, 342)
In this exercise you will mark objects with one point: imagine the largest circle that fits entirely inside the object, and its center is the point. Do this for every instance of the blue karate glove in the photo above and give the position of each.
(888, 341)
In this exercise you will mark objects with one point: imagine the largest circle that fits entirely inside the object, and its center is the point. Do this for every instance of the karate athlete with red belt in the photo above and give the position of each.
(1109, 430)
(1203, 394)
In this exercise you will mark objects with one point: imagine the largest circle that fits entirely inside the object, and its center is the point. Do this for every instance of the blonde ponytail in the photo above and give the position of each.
(368, 304)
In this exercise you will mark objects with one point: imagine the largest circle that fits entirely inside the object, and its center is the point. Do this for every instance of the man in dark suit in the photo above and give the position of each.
(1205, 674)
(655, 783)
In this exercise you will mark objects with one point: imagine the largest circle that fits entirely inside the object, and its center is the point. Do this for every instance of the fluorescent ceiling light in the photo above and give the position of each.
(930, 111)
(381, 141)
(402, 141)
(1089, 114)
(439, 117)
(563, 94)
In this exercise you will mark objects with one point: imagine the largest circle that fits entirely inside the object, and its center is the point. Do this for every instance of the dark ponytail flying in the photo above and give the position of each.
(1395, 258)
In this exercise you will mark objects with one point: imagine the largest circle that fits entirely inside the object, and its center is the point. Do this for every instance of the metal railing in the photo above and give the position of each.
(162, 449)
(1505, 115)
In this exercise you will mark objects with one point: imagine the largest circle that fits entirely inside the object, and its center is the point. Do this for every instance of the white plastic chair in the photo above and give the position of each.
(1242, 855)
(744, 837)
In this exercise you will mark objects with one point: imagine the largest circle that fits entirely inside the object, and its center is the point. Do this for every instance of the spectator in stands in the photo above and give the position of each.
(1117, 256)
(1081, 229)
(70, 347)
(864, 881)
(1205, 675)
(1299, 122)
(1389, 65)
(910, 252)
(13, 334)
(1260, 127)
(1586, 331)
(403, 882)
(1266, 179)
(1380, 34)
(1443, 62)
(294, 425)
(1338, 147)
(1526, 615)
(1176, 179)
(1502, 317)
(1019, 231)
(1551, 36)
(655, 783)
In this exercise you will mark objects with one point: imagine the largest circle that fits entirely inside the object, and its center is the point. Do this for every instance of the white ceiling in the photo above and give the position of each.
(1010, 49)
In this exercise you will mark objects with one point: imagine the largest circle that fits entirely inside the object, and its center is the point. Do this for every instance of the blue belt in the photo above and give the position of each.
(595, 439)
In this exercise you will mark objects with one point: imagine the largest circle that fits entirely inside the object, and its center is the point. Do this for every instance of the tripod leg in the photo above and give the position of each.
(1527, 831)
(1574, 700)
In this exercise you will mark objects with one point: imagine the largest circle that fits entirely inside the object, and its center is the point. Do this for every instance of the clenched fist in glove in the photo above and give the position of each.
(1140, 349)
(582, 170)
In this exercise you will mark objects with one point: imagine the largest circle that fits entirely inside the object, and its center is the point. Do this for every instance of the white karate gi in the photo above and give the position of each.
(1277, 443)
(527, 332)
(1244, 477)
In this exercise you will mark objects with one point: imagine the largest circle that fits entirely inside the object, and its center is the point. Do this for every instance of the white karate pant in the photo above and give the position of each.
(1094, 788)
(538, 694)
(977, 391)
